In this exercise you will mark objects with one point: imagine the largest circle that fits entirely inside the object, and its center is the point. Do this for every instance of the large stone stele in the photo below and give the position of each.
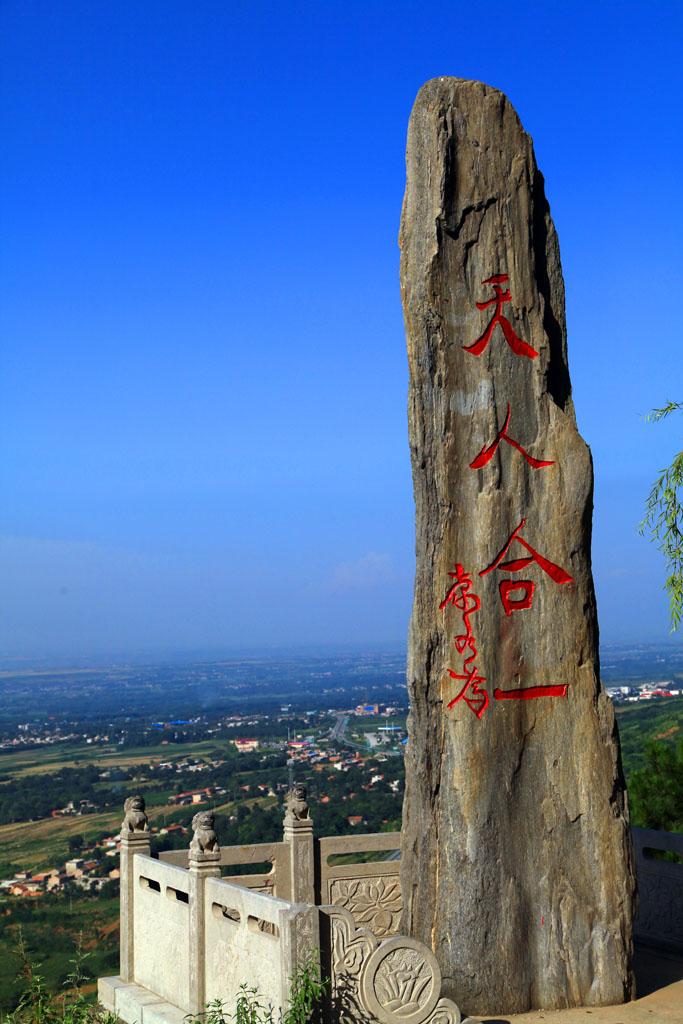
(516, 857)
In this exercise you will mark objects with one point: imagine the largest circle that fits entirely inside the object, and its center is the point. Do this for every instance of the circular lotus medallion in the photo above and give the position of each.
(401, 981)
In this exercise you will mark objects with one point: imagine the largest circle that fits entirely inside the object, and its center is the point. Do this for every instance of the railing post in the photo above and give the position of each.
(298, 833)
(205, 862)
(134, 840)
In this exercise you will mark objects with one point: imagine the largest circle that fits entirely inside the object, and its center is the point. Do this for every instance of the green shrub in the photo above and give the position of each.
(306, 991)
(656, 790)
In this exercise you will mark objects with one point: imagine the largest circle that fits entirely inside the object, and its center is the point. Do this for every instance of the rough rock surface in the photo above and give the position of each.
(516, 865)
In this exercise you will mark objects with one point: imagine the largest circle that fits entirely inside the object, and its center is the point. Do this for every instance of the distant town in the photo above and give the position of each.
(230, 736)
(647, 691)
(246, 764)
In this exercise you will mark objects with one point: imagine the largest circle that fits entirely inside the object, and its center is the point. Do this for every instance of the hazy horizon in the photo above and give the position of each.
(216, 656)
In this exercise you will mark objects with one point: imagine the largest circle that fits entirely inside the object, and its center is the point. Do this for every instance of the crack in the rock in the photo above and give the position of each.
(453, 231)
(522, 751)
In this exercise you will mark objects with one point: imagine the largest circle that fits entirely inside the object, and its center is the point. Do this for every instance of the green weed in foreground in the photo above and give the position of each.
(305, 994)
(50, 929)
(38, 1006)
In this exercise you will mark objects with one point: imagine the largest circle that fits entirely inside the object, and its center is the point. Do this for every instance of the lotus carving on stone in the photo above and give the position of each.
(403, 982)
(374, 902)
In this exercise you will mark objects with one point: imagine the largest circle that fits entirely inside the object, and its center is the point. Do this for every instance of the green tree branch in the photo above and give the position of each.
(663, 520)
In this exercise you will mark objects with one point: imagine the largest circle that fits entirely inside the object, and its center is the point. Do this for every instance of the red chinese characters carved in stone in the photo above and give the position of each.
(477, 700)
(508, 587)
(488, 451)
(461, 596)
(501, 298)
(532, 692)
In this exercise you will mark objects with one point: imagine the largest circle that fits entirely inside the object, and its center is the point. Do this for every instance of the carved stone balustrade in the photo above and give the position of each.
(193, 931)
(392, 981)
(369, 890)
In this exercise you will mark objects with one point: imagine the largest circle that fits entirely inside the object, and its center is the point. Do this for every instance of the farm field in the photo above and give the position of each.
(43, 844)
(47, 759)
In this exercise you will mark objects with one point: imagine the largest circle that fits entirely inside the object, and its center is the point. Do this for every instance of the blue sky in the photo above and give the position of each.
(203, 373)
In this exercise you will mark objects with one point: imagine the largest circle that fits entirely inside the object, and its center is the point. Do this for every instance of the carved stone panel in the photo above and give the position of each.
(446, 1012)
(307, 935)
(374, 902)
(351, 947)
(396, 981)
(401, 979)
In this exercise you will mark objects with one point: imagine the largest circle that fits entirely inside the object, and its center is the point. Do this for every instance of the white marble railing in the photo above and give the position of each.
(190, 936)
(254, 938)
(161, 929)
(274, 881)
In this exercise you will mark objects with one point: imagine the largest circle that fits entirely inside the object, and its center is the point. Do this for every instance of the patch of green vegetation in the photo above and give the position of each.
(651, 736)
(659, 719)
(372, 723)
(656, 789)
(35, 796)
(51, 930)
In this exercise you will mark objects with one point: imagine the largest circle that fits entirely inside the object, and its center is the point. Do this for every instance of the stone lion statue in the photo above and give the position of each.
(135, 819)
(297, 802)
(204, 839)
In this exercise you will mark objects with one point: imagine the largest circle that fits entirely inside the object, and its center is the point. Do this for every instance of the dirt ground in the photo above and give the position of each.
(659, 978)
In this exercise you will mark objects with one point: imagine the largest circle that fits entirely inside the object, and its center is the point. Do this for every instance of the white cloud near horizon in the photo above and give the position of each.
(371, 570)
